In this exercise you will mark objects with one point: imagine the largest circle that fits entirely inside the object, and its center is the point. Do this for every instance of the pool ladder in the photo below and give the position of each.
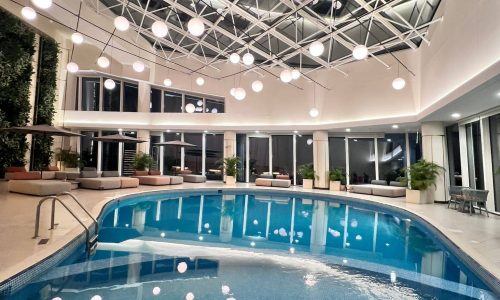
(91, 240)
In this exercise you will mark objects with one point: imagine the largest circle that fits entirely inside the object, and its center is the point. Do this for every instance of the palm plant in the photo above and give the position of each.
(69, 158)
(142, 161)
(337, 174)
(307, 171)
(421, 175)
(230, 165)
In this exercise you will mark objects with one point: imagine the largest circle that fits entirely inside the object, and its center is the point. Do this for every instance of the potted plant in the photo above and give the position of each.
(337, 178)
(308, 175)
(69, 159)
(142, 161)
(420, 177)
(230, 167)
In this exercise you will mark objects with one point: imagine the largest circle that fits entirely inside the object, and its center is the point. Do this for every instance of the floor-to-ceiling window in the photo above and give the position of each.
(282, 154)
(154, 151)
(130, 96)
(91, 94)
(258, 156)
(111, 101)
(414, 141)
(129, 151)
(89, 149)
(453, 145)
(196, 101)
(336, 148)
(193, 155)
(109, 156)
(391, 156)
(214, 152)
(155, 101)
(241, 152)
(474, 155)
(304, 150)
(361, 160)
(171, 154)
(495, 156)
(172, 102)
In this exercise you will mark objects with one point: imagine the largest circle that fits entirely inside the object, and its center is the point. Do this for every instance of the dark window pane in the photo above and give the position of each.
(89, 148)
(154, 151)
(171, 154)
(495, 156)
(391, 156)
(304, 146)
(336, 146)
(361, 160)
(259, 157)
(192, 155)
(283, 154)
(214, 106)
(155, 101)
(454, 165)
(196, 101)
(109, 155)
(90, 94)
(173, 102)
(475, 156)
(112, 98)
(414, 139)
(214, 154)
(130, 97)
(241, 152)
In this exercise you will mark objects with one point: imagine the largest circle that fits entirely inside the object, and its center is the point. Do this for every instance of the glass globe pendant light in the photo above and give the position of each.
(72, 67)
(77, 38)
(103, 62)
(286, 76)
(316, 48)
(240, 94)
(257, 86)
(398, 83)
(28, 13)
(159, 29)
(109, 84)
(121, 23)
(234, 58)
(43, 4)
(196, 26)
(248, 59)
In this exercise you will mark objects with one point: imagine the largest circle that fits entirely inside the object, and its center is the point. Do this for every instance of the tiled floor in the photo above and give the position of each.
(477, 235)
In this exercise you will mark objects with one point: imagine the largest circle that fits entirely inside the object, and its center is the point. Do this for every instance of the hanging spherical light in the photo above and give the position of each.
(156, 290)
(190, 108)
(200, 81)
(159, 29)
(234, 58)
(295, 74)
(337, 4)
(248, 59)
(214, 110)
(43, 4)
(286, 76)
(28, 13)
(138, 66)
(257, 86)
(240, 94)
(167, 82)
(314, 112)
(196, 26)
(109, 84)
(121, 23)
(72, 67)
(316, 48)
(77, 38)
(103, 62)
(398, 83)
(309, 141)
(231, 91)
(360, 52)
(199, 103)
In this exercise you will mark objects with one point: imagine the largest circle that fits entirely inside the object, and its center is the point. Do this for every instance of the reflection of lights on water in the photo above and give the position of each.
(300, 234)
(354, 223)
(156, 290)
(191, 258)
(189, 296)
(387, 244)
(127, 225)
(276, 231)
(347, 244)
(200, 238)
(210, 231)
(342, 222)
(292, 250)
(359, 237)
(282, 232)
(305, 213)
(252, 244)
(96, 297)
(57, 298)
(407, 220)
(255, 222)
(206, 225)
(231, 298)
(225, 289)
(344, 261)
(334, 232)
(397, 220)
(162, 234)
(296, 241)
(393, 276)
(310, 227)
(182, 267)
(310, 280)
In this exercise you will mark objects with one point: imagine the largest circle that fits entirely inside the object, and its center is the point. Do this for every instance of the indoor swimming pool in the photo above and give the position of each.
(249, 244)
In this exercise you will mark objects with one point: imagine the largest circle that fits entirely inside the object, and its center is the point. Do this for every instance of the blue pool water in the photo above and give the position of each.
(259, 245)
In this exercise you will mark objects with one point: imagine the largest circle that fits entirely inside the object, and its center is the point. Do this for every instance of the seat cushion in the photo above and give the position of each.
(389, 191)
(153, 180)
(32, 175)
(379, 182)
(15, 169)
(282, 176)
(263, 182)
(110, 174)
(194, 178)
(89, 174)
(281, 183)
(140, 173)
(101, 183)
(176, 179)
(48, 175)
(362, 189)
(39, 187)
(128, 182)
(154, 172)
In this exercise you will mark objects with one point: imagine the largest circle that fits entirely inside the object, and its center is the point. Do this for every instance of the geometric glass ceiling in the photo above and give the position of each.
(279, 32)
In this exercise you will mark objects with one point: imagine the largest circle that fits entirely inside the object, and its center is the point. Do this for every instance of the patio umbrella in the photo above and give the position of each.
(118, 138)
(42, 129)
(176, 143)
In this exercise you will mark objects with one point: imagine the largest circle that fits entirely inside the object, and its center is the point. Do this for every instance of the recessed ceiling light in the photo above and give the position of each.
(256, 131)
(455, 115)
(348, 129)
(205, 131)
(389, 140)
(498, 94)
(295, 131)
(395, 126)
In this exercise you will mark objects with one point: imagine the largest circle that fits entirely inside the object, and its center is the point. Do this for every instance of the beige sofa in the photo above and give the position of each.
(154, 178)
(39, 187)
(380, 188)
(89, 179)
(286, 183)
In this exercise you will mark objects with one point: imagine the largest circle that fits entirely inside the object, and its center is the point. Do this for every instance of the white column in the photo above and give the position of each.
(434, 150)
(143, 135)
(375, 141)
(120, 156)
(464, 164)
(203, 153)
(31, 98)
(321, 159)
(144, 93)
(229, 145)
(488, 172)
(162, 149)
(294, 159)
(182, 152)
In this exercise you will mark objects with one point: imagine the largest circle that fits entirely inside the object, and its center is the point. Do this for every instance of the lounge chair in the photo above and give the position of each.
(39, 187)
(286, 183)
(109, 180)
(380, 188)
(150, 178)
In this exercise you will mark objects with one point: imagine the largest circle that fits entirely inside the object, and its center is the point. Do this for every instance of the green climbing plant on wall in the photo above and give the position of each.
(16, 51)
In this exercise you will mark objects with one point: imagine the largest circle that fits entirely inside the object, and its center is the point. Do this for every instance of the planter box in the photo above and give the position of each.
(335, 186)
(230, 180)
(307, 184)
(419, 197)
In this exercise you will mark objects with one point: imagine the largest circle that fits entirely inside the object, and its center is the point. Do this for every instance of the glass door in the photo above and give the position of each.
(474, 155)
(258, 158)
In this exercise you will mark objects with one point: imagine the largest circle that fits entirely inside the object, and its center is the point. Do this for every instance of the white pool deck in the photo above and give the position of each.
(477, 235)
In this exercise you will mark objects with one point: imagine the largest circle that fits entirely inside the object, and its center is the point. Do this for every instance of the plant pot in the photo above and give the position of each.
(230, 180)
(307, 183)
(418, 197)
(334, 185)
(74, 170)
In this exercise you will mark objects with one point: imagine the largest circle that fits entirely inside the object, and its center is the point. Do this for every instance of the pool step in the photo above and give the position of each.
(92, 245)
